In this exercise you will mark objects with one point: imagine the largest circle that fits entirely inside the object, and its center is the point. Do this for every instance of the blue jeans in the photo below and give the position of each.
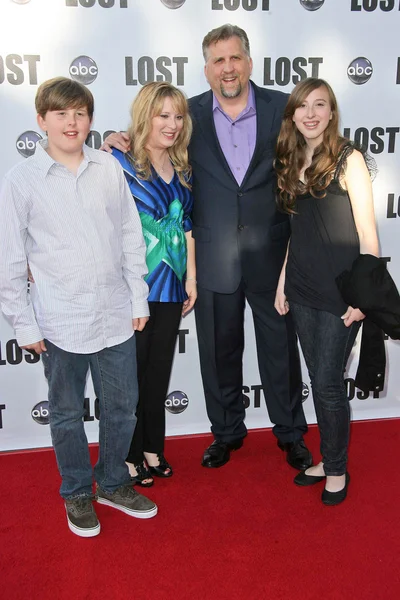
(326, 343)
(114, 378)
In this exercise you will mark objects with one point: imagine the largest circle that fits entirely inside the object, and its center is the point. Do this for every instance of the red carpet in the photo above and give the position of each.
(242, 531)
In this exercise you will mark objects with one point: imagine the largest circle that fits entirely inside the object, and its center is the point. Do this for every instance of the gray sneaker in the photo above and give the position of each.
(127, 499)
(81, 516)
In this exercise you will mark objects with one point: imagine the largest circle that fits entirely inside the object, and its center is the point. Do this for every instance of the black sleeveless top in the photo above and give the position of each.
(324, 242)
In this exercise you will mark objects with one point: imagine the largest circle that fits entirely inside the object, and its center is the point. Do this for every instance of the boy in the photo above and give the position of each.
(68, 211)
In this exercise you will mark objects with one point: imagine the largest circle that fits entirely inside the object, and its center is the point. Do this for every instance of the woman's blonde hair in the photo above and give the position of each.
(148, 104)
(291, 149)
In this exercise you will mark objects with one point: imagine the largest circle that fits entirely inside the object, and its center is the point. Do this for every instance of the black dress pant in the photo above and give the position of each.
(220, 333)
(155, 347)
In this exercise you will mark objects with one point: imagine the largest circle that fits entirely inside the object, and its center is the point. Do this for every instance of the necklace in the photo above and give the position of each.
(160, 168)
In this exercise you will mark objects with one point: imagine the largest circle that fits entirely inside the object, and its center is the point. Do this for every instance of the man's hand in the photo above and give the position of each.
(351, 315)
(191, 290)
(119, 140)
(281, 304)
(38, 347)
(139, 323)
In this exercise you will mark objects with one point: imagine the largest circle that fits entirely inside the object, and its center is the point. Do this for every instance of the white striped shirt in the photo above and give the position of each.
(82, 237)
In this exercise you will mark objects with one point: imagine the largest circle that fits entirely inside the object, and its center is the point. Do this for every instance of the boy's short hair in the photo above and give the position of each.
(61, 93)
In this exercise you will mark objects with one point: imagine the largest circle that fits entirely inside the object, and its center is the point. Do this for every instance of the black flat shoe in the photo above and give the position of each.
(142, 474)
(163, 469)
(298, 455)
(333, 498)
(304, 480)
(219, 453)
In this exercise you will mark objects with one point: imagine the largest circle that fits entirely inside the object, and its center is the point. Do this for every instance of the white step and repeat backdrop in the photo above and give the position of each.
(115, 47)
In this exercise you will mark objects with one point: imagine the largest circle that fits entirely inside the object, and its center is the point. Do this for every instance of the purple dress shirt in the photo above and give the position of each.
(237, 138)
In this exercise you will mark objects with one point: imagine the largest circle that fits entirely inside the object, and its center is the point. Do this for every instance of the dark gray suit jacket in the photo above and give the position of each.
(237, 229)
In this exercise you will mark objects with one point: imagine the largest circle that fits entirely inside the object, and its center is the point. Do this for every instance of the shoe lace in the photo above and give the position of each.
(127, 491)
(81, 505)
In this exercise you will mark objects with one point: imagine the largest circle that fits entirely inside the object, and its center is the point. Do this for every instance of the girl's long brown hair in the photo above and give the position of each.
(148, 104)
(291, 149)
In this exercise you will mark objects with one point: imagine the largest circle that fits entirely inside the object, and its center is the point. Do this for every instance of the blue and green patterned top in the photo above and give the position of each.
(164, 209)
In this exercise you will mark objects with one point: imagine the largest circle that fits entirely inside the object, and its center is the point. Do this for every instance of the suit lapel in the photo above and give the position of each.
(207, 126)
(265, 119)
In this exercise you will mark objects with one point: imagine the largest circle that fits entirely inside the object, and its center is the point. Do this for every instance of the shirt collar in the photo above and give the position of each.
(45, 162)
(250, 106)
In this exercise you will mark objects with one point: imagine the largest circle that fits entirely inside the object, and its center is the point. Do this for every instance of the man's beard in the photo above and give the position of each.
(231, 94)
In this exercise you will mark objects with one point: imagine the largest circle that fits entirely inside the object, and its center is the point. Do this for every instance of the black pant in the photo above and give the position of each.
(220, 333)
(155, 347)
(326, 343)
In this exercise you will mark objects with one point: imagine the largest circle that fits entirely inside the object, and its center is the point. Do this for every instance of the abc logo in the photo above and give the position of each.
(312, 4)
(26, 143)
(305, 392)
(176, 402)
(173, 3)
(83, 69)
(40, 413)
(360, 70)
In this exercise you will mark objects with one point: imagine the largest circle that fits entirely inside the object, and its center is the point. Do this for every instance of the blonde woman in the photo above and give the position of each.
(158, 175)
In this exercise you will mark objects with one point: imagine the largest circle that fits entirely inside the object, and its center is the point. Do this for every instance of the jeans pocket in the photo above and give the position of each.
(45, 356)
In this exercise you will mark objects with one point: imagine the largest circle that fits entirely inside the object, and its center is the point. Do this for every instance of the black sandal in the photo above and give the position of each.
(161, 470)
(142, 474)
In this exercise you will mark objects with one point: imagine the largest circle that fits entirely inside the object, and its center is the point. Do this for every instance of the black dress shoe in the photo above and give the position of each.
(333, 498)
(298, 455)
(218, 453)
(304, 480)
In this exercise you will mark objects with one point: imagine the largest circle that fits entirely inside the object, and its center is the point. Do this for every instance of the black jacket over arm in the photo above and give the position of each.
(238, 231)
(369, 287)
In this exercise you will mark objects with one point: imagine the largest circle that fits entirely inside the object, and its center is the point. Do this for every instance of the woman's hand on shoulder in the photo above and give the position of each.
(351, 315)
(119, 140)
(191, 290)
